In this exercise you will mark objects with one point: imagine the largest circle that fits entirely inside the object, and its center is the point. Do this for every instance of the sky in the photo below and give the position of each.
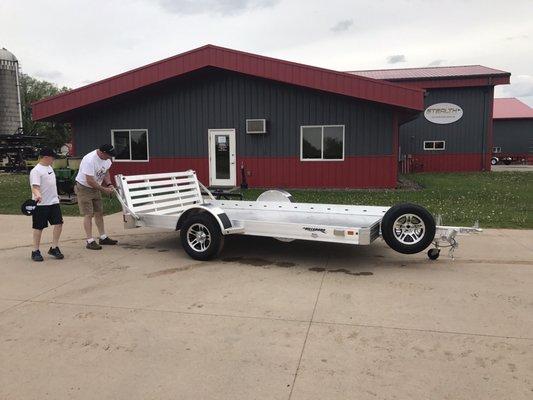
(76, 42)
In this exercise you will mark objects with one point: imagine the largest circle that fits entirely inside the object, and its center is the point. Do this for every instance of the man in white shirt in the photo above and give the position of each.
(92, 180)
(44, 193)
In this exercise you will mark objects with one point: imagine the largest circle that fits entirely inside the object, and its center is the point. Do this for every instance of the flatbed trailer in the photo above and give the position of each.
(178, 201)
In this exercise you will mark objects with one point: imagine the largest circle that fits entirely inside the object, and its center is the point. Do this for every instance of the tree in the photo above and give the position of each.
(55, 134)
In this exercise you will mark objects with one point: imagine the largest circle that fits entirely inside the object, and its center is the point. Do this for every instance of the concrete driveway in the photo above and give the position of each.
(269, 320)
(512, 168)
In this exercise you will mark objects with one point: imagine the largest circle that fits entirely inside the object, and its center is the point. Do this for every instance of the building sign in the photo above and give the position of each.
(443, 113)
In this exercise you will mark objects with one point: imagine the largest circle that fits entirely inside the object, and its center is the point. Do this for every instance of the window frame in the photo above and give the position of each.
(434, 142)
(129, 130)
(494, 151)
(322, 147)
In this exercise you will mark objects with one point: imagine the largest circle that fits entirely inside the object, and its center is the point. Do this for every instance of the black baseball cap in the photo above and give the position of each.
(28, 207)
(47, 152)
(108, 149)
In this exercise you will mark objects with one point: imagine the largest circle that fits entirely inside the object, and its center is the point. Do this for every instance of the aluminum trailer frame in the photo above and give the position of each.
(166, 201)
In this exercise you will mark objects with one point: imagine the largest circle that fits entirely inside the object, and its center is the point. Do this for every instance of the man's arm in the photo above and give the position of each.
(36, 191)
(92, 183)
(107, 179)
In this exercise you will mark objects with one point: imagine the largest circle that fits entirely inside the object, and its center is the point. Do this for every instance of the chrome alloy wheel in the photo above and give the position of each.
(409, 229)
(198, 237)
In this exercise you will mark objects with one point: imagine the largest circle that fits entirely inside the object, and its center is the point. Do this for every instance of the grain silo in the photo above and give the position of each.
(10, 111)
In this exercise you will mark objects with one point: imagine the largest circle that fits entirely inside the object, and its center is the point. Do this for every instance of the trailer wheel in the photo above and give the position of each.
(507, 162)
(201, 237)
(494, 161)
(408, 228)
(433, 254)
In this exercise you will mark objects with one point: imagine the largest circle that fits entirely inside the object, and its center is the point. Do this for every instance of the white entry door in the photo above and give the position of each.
(222, 165)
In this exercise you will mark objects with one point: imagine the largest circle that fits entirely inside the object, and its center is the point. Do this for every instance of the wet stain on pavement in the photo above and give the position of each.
(259, 262)
(343, 270)
(162, 250)
(169, 271)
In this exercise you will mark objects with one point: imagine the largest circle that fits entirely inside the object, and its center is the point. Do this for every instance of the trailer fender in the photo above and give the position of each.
(217, 213)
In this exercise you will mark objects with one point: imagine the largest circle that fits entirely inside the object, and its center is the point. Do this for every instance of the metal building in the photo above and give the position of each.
(10, 107)
(455, 131)
(513, 130)
(218, 110)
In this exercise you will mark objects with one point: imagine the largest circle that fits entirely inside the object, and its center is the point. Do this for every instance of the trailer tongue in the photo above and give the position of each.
(178, 201)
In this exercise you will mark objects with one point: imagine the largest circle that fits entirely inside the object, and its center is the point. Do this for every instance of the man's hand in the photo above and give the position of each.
(38, 198)
(108, 190)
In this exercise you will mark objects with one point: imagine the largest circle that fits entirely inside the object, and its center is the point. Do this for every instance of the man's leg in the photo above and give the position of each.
(37, 233)
(88, 226)
(57, 233)
(99, 221)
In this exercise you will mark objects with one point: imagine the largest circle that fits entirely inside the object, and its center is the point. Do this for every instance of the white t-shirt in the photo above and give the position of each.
(45, 178)
(94, 166)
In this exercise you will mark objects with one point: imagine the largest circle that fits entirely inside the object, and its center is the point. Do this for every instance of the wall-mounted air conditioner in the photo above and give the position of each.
(256, 126)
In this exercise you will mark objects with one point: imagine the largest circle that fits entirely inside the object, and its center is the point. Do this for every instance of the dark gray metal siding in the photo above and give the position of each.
(179, 113)
(467, 135)
(513, 135)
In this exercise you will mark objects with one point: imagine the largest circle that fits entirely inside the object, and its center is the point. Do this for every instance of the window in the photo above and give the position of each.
(496, 149)
(325, 143)
(130, 144)
(434, 145)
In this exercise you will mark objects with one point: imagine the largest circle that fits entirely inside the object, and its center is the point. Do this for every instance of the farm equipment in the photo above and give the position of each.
(66, 170)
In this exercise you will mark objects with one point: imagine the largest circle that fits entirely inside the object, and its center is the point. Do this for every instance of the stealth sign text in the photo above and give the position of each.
(443, 113)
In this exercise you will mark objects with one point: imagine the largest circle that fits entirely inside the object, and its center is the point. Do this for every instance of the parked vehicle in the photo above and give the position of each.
(178, 201)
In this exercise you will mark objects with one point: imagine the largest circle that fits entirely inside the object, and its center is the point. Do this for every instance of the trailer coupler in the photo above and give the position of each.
(445, 237)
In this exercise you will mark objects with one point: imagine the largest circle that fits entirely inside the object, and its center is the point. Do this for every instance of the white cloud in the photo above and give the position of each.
(521, 86)
(436, 63)
(397, 58)
(223, 7)
(342, 26)
(100, 38)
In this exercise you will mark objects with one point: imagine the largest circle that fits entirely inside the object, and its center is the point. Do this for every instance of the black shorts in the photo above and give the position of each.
(42, 215)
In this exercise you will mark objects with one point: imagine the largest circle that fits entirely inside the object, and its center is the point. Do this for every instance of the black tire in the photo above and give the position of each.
(433, 254)
(389, 233)
(209, 226)
(507, 162)
(493, 161)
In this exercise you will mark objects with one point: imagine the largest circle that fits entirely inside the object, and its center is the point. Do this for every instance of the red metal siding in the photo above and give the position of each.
(288, 172)
(246, 63)
(466, 162)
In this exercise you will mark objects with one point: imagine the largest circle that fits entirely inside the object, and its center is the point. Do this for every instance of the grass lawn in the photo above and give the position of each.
(496, 200)
(15, 188)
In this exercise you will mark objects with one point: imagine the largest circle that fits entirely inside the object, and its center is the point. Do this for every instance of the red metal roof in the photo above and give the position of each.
(431, 72)
(435, 77)
(233, 60)
(511, 108)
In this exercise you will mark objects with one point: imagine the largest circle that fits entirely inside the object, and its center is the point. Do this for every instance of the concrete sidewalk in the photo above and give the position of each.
(268, 320)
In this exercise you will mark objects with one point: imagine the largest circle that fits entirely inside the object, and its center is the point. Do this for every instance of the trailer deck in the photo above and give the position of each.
(172, 200)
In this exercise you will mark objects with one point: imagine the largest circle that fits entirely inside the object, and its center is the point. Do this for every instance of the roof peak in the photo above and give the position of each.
(209, 55)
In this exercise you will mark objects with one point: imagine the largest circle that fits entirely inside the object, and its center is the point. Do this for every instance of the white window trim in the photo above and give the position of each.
(322, 148)
(435, 141)
(129, 131)
(495, 149)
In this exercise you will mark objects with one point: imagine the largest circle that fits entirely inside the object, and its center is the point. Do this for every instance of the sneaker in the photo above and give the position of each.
(55, 252)
(93, 246)
(108, 241)
(36, 256)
